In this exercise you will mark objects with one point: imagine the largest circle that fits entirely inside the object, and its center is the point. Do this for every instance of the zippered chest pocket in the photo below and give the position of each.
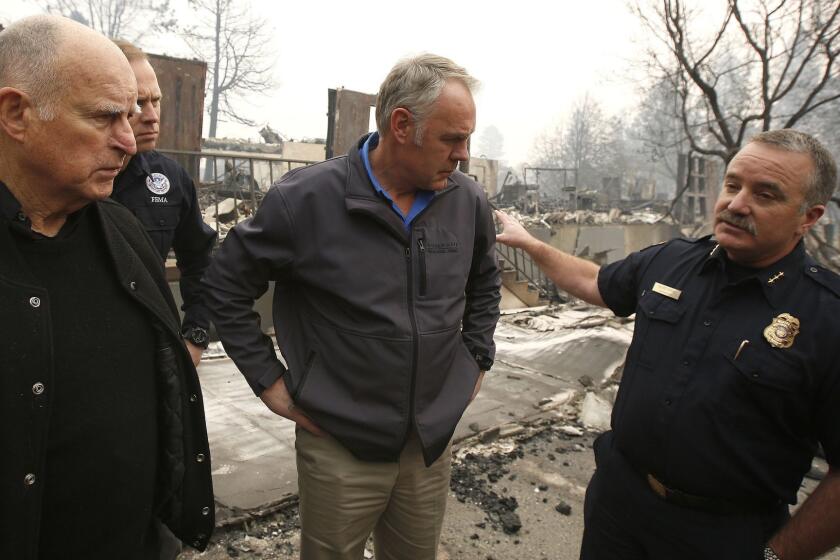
(443, 265)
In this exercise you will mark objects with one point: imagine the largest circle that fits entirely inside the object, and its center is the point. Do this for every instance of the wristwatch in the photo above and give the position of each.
(769, 554)
(197, 336)
(484, 362)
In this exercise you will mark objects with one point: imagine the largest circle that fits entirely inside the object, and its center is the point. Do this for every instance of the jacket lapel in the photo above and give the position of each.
(133, 275)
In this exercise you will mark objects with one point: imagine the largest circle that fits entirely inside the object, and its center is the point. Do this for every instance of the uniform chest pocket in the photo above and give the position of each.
(657, 319)
(765, 367)
(157, 218)
(657, 307)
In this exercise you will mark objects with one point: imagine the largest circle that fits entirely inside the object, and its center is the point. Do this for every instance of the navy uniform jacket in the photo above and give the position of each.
(723, 395)
(163, 197)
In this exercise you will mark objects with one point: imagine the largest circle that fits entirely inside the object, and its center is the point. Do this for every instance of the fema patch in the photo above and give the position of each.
(158, 183)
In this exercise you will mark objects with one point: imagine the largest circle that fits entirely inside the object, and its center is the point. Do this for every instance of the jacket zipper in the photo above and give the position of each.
(416, 343)
(413, 319)
(411, 315)
(422, 257)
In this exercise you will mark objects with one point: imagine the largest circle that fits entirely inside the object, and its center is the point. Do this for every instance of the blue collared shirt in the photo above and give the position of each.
(421, 197)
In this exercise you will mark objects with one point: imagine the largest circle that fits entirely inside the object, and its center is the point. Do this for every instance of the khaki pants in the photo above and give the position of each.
(343, 499)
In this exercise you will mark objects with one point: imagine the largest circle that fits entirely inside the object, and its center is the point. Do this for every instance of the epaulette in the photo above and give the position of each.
(704, 239)
(823, 276)
(687, 240)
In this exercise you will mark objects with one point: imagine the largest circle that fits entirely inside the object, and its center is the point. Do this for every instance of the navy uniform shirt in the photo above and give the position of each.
(163, 197)
(708, 404)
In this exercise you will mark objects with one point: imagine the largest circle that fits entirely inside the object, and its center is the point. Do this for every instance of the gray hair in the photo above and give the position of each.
(131, 51)
(414, 84)
(823, 180)
(29, 61)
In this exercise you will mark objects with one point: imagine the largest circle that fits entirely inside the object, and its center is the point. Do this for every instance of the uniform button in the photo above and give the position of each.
(707, 323)
(686, 362)
(814, 269)
(193, 397)
(161, 222)
(668, 402)
(29, 479)
(38, 388)
(35, 301)
(200, 457)
(20, 216)
(133, 285)
(755, 375)
(205, 511)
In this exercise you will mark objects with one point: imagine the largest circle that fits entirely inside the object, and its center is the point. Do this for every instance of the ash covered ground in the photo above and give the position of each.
(519, 496)
(521, 463)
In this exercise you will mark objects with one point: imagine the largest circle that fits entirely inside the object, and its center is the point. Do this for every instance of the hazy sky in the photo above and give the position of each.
(533, 58)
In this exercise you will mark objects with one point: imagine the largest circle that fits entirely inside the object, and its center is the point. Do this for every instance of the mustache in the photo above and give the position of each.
(742, 222)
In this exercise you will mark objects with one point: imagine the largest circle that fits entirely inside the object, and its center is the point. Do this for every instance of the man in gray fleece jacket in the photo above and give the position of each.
(386, 298)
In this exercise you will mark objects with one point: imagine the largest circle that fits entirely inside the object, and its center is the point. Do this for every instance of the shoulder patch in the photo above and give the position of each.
(823, 277)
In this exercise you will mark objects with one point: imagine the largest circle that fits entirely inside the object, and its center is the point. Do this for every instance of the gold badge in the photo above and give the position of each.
(781, 332)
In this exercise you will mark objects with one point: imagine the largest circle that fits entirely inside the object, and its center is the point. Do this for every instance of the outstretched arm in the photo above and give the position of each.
(574, 275)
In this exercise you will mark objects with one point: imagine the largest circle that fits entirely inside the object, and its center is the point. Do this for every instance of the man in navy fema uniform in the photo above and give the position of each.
(732, 378)
(163, 197)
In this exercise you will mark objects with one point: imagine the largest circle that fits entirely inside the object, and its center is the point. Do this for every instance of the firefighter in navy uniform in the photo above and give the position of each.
(732, 378)
(163, 197)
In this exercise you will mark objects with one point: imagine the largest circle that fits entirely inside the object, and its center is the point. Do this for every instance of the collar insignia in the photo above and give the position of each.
(781, 332)
(775, 277)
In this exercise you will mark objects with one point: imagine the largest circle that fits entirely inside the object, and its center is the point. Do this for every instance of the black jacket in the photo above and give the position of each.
(381, 328)
(163, 197)
(184, 496)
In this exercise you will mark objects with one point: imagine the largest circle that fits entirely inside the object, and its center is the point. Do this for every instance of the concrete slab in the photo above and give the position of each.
(253, 449)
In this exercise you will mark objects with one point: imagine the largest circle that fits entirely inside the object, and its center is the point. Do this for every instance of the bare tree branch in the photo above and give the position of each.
(236, 46)
(765, 64)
